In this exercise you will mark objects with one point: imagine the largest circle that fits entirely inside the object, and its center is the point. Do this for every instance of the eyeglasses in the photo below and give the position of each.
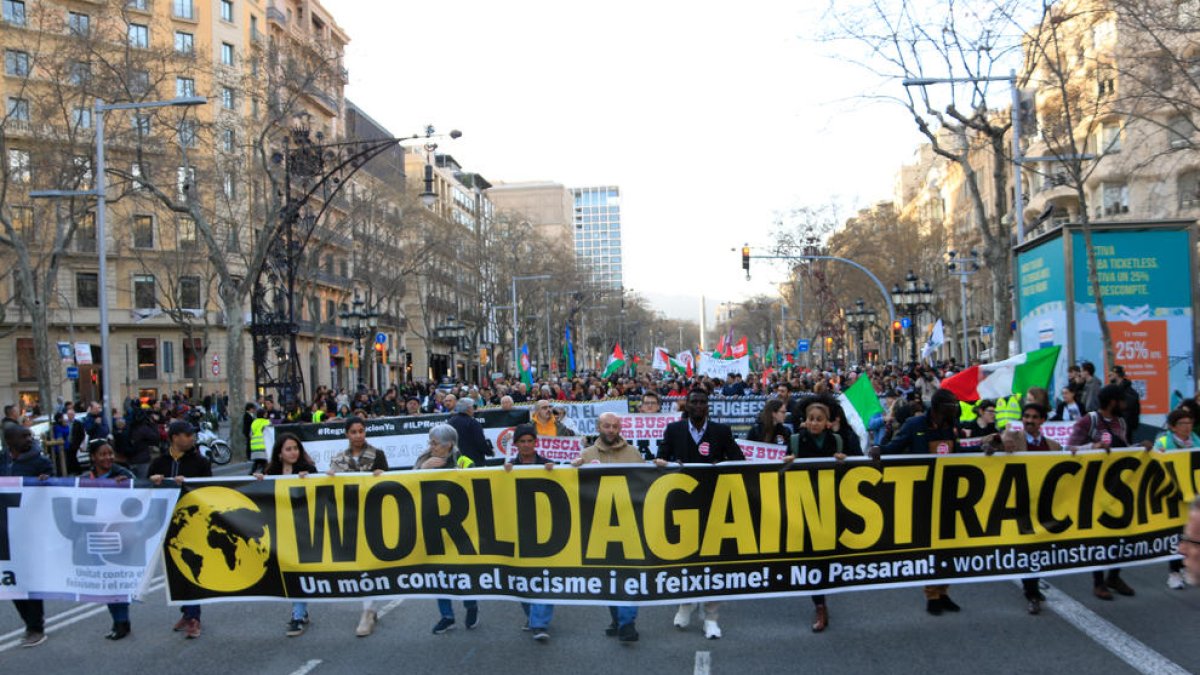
(1188, 540)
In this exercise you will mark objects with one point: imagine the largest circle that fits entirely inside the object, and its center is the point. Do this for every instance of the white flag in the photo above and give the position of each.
(936, 339)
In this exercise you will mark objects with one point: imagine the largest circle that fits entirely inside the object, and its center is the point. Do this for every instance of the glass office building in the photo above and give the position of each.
(598, 233)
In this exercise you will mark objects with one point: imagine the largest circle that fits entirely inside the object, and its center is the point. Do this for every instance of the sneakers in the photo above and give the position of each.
(612, 630)
(541, 634)
(366, 624)
(949, 605)
(119, 630)
(180, 625)
(934, 606)
(1101, 591)
(443, 625)
(1175, 581)
(192, 631)
(711, 630)
(1034, 607)
(32, 639)
(472, 618)
(627, 633)
(295, 627)
(684, 616)
(1118, 584)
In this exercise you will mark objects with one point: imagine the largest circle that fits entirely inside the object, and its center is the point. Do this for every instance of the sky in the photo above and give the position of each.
(715, 120)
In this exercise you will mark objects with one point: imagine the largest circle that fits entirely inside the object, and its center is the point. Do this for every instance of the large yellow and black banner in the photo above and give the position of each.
(641, 534)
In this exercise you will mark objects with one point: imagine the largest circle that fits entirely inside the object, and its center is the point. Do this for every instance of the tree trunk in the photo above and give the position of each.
(235, 354)
(39, 325)
(1110, 356)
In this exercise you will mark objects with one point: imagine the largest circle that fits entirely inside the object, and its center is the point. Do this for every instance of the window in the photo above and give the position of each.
(187, 133)
(82, 118)
(226, 54)
(141, 5)
(26, 360)
(144, 292)
(227, 99)
(141, 124)
(189, 292)
(22, 221)
(229, 140)
(330, 310)
(139, 170)
(87, 289)
(18, 110)
(184, 86)
(185, 43)
(227, 10)
(14, 12)
(227, 186)
(85, 233)
(185, 179)
(16, 62)
(1115, 198)
(1189, 190)
(19, 170)
(1110, 137)
(79, 24)
(83, 171)
(147, 357)
(1179, 131)
(232, 242)
(79, 73)
(139, 35)
(143, 232)
(186, 236)
(193, 353)
(139, 82)
(183, 9)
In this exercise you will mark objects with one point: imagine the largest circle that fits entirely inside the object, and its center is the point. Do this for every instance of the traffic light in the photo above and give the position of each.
(828, 344)
(895, 330)
(746, 260)
(382, 350)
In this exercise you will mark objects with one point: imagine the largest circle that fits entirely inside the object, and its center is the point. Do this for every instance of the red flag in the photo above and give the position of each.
(721, 346)
(739, 350)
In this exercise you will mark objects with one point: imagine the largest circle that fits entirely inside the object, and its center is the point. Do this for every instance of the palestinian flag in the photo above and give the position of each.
(860, 404)
(1011, 376)
(685, 360)
(615, 362)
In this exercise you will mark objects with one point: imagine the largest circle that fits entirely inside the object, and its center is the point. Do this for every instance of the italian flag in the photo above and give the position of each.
(1011, 376)
(860, 404)
(615, 362)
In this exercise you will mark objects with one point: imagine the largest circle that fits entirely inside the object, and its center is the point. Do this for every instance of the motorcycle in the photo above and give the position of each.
(216, 450)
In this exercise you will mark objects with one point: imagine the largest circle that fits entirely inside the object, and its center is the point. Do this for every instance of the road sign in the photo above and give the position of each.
(381, 338)
(801, 345)
(987, 330)
(72, 372)
(333, 350)
(905, 322)
(216, 365)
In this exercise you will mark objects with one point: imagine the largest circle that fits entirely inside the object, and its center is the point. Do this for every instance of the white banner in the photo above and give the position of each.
(83, 543)
(762, 452)
(723, 368)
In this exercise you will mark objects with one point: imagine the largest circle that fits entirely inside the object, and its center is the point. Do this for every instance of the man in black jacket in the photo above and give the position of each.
(698, 440)
(179, 462)
(471, 441)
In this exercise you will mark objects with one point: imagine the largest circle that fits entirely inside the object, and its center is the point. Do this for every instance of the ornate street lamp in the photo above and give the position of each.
(912, 299)
(858, 319)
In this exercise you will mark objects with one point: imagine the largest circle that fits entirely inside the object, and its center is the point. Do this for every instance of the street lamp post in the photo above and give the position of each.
(98, 191)
(516, 355)
(859, 318)
(452, 332)
(912, 299)
(358, 323)
(963, 267)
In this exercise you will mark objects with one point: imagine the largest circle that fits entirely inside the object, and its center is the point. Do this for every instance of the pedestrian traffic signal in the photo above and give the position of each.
(746, 259)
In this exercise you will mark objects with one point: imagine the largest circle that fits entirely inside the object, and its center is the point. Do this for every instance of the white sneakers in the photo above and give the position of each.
(366, 625)
(711, 630)
(684, 616)
(1175, 581)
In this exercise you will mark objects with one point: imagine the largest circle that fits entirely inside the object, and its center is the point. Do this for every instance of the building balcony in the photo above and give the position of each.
(276, 15)
(331, 279)
(330, 236)
(322, 98)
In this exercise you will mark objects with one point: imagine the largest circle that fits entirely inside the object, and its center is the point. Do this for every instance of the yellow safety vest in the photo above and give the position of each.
(318, 415)
(1008, 410)
(257, 442)
(966, 411)
(465, 462)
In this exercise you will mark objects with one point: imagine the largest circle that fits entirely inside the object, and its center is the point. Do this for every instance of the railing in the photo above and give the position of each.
(275, 14)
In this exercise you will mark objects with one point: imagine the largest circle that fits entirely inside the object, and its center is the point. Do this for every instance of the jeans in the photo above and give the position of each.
(447, 609)
(624, 614)
(539, 615)
(33, 613)
(299, 611)
(119, 611)
(190, 611)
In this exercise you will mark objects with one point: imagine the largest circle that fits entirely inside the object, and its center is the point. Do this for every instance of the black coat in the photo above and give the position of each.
(471, 441)
(191, 465)
(677, 444)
